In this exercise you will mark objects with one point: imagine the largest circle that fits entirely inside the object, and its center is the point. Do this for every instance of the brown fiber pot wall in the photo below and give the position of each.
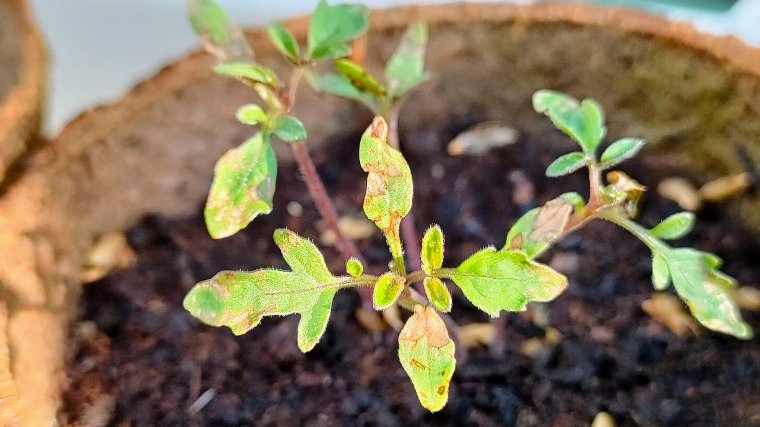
(22, 81)
(691, 95)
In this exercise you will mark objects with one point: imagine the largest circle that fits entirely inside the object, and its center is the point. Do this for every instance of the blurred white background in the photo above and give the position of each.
(101, 48)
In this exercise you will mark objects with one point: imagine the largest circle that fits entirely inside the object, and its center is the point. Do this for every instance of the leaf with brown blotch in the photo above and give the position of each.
(389, 183)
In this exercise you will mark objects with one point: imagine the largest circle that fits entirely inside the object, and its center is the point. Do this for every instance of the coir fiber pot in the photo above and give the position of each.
(22, 81)
(690, 95)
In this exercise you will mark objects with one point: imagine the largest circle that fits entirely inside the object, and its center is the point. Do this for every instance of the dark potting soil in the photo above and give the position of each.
(135, 357)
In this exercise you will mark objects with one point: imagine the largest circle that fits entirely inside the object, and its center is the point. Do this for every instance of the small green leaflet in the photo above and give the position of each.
(660, 273)
(566, 164)
(251, 114)
(284, 41)
(249, 73)
(704, 289)
(621, 150)
(387, 290)
(535, 231)
(289, 129)
(427, 354)
(432, 250)
(674, 226)
(332, 27)
(243, 187)
(506, 280)
(221, 37)
(437, 293)
(239, 300)
(584, 121)
(359, 77)
(338, 85)
(389, 183)
(405, 69)
(354, 267)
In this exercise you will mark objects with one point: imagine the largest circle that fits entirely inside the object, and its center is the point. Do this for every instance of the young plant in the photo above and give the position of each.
(492, 279)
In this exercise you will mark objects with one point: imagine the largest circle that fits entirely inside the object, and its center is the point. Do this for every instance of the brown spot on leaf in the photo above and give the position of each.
(379, 129)
(551, 220)
(425, 323)
(441, 390)
(417, 364)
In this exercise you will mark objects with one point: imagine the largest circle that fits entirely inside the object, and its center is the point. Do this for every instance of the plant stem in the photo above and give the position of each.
(408, 230)
(317, 190)
(640, 232)
(322, 199)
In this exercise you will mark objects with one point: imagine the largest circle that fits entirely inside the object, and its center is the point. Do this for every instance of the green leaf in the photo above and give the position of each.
(427, 354)
(405, 69)
(674, 226)
(387, 290)
(243, 187)
(289, 129)
(432, 250)
(566, 164)
(437, 293)
(389, 183)
(576, 200)
(506, 280)
(359, 77)
(660, 273)
(284, 41)
(620, 150)
(335, 26)
(220, 36)
(354, 267)
(247, 72)
(251, 114)
(535, 231)
(239, 300)
(706, 290)
(584, 121)
(339, 50)
(337, 85)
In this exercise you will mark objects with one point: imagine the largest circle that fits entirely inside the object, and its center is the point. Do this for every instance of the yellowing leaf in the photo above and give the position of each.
(387, 290)
(432, 249)
(359, 77)
(239, 300)
(506, 280)
(354, 267)
(437, 293)
(243, 187)
(427, 354)
(389, 184)
(338, 85)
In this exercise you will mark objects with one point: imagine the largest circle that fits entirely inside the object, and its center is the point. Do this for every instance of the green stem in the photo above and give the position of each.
(637, 230)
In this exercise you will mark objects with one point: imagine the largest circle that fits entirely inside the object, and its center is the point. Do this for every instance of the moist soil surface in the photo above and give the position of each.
(135, 357)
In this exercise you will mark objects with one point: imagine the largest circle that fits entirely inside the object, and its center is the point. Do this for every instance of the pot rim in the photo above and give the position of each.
(728, 50)
(20, 110)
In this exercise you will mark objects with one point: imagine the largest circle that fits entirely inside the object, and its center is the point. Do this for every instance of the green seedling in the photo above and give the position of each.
(492, 279)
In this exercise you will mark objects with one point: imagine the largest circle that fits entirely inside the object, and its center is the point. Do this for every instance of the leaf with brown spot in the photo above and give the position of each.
(427, 354)
(239, 299)
(243, 187)
(389, 183)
